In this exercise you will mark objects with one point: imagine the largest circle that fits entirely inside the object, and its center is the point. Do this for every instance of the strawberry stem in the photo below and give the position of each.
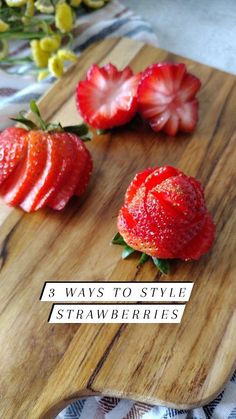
(81, 130)
(162, 264)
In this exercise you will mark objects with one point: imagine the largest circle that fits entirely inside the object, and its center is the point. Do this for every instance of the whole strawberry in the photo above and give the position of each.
(164, 216)
(166, 97)
(43, 166)
(107, 97)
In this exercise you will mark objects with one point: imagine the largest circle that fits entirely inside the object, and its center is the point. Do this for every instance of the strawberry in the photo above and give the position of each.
(107, 97)
(43, 166)
(166, 98)
(164, 216)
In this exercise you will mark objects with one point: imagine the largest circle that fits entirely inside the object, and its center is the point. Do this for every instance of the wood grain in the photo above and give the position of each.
(44, 366)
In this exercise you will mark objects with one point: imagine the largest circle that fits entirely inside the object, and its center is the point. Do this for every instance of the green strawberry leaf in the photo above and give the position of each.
(162, 264)
(118, 239)
(103, 131)
(144, 258)
(127, 252)
(24, 121)
(81, 130)
(34, 108)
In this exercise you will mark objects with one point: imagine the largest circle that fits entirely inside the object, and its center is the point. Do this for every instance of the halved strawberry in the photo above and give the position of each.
(166, 97)
(17, 186)
(13, 146)
(107, 97)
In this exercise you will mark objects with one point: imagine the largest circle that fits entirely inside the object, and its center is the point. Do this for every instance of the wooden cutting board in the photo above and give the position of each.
(44, 366)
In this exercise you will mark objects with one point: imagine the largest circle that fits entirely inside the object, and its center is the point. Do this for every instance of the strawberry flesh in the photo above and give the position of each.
(107, 97)
(166, 97)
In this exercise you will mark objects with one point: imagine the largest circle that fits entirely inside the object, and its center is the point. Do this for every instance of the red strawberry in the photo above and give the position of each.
(13, 147)
(108, 97)
(166, 97)
(43, 166)
(164, 215)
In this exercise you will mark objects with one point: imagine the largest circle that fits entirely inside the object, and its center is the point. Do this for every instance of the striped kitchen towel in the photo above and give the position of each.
(223, 407)
(18, 87)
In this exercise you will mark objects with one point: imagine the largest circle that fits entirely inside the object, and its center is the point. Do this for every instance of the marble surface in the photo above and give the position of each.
(204, 30)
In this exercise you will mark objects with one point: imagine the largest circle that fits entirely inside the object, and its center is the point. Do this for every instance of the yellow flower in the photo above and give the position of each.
(43, 74)
(75, 3)
(66, 55)
(3, 48)
(50, 43)
(40, 57)
(94, 4)
(29, 12)
(55, 66)
(15, 3)
(3, 26)
(64, 17)
(44, 6)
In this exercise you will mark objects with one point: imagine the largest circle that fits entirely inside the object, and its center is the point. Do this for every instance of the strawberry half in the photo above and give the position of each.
(107, 97)
(166, 97)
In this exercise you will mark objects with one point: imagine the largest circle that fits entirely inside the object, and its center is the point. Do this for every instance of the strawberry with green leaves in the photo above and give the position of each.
(43, 166)
(164, 217)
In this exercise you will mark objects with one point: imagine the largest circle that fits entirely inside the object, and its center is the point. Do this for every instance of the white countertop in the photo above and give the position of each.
(204, 30)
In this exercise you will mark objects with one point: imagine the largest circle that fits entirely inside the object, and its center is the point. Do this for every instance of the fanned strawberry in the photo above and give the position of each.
(164, 216)
(166, 97)
(107, 97)
(43, 166)
(13, 146)
(27, 173)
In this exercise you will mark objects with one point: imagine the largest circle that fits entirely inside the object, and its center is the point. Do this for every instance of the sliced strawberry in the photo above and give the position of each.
(27, 173)
(13, 146)
(108, 97)
(166, 97)
(72, 175)
(50, 175)
(85, 175)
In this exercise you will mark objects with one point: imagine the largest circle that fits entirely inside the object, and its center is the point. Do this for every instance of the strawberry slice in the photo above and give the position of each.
(13, 146)
(50, 175)
(27, 173)
(85, 175)
(73, 170)
(166, 97)
(108, 97)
